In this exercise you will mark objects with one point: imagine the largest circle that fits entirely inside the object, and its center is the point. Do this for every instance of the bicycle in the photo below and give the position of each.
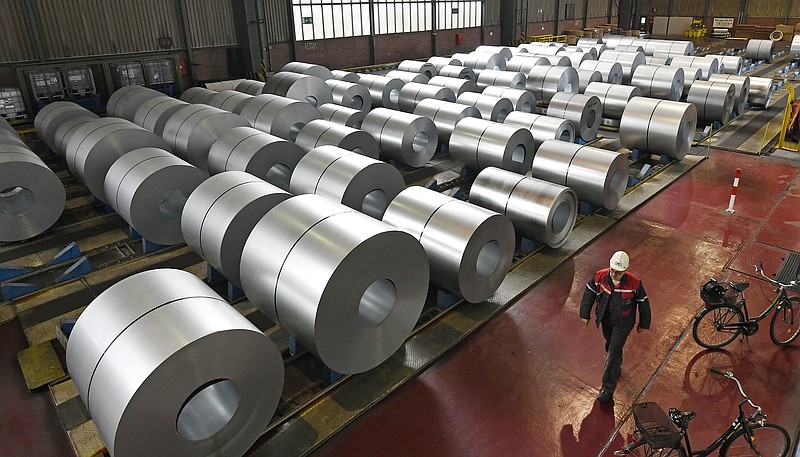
(657, 435)
(725, 314)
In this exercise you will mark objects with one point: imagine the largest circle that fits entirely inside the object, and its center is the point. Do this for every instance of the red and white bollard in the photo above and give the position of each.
(733, 190)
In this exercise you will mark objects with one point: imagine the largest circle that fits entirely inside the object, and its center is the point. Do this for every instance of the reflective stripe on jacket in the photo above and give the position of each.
(623, 299)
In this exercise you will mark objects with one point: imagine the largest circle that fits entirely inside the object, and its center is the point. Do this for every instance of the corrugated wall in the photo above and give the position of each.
(492, 12)
(278, 21)
(767, 8)
(597, 8)
(16, 42)
(795, 11)
(211, 23)
(724, 9)
(579, 5)
(540, 11)
(688, 7)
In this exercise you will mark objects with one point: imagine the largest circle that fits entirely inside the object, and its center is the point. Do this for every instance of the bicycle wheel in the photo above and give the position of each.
(716, 327)
(769, 440)
(785, 325)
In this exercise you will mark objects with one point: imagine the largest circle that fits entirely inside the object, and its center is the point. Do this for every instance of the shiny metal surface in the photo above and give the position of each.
(196, 130)
(229, 100)
(279, 116)
(546, 81)
(250, 87)
(524, 62)
(348, 76)
(305, 88)
(413, 66)
(760, 49)
(543, 127)
(610, 71)
(262, 155)
(492, 108)
(354, 180)
(510, 79)
(342, 115)
(741, 85)
(198, 95)
(405, 137)
(794, 48)
(651, 60)
(311, 69)
(455, 71)
(539, 210)
(576, 58)
(504, 51)
(385, 92)
(54, 115)
(445, 115)
(148, 187)
(628, 60)
(629, 48)
(220, 214)
(351, 95)
(657, 81)
(123, 368)
(596, 175)
(584, 111)
(658, 126)
(478, 143)
(714, 100)
(85, 131)
(348, 287)
(663, 47)
(469, 248)
(557, 60)
(326, 133)
(586, 77)
(124, 101)
(408, 76)
(732, 64)
(114, 98)
(708, 65)
(412, 93)
(440, 62)
(154, 113)
(522, 99)
(457, 85)
(761, 90)
(481, 60)
(690, 75)
(613, 97)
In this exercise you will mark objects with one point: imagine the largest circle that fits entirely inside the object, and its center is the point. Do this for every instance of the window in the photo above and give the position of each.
(319, 19)
(569, 11)
(457, 15)
(398, 16)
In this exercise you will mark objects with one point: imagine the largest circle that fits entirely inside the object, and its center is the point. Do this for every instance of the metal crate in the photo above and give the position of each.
(80, 81)
(127, 74)
(46, 85)
(160, 72)
(11, 104)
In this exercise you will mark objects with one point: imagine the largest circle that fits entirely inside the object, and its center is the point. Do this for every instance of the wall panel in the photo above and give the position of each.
(16, 42)
(211, 23)
(598, 9)
(724, 9)
(278, 21)
(767, 8)
(492, 12)
(688, 8)
(539, 11)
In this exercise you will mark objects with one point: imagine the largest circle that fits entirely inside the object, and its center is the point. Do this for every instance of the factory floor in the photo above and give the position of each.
(526, 382)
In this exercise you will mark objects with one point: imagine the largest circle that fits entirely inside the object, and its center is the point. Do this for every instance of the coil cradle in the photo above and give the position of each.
(250, 87)
(363, 295)
(412, 93)
(690, 75)
(342, 115)
(148, 187)
(455, 71)
(539, 210)
(356, 181)
(741, 85)
(457, 85)
(543, 127)
(348, 76)
(154, 113)
(586, 77)
(220, 214)
(661, 82)
(708, 65)
(308, 69)
(477, 144)
(385, 92)
(124, 369)
(304, 88)
(585, 112)
(523, 100)
(445, 115)
(760, 91)
(628, 60)
(491, 108)
(596, 175)
(760, 49)
(546, 81)
(50, 118)
(230, 101)
(351, 95)
(440, 62)
(714, 100)
(613, 97)
(405, 137)
(279, 116)
(610, 71)
(262, 155)
(325, 133)
(412, 66)
(198, 95)
(658, 126)
(469, 248)
(511, 79)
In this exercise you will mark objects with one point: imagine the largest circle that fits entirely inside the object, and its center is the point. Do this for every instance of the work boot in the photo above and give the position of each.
(605, 395)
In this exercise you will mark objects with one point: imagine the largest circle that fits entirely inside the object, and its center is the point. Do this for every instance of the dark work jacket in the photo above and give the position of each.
(622, 300)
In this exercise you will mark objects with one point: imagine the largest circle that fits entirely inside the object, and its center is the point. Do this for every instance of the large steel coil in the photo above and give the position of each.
(469, 248)
(440, 62)
(504, 51)
(613, 97)
(560, 60)
(667, 47)
(454, 71)
(585, 112)
(690, 75)
(154, 113)
(760, 49)
(124, 369)
(279, 116)
(714, 100)
(85, 131)
(457, 85)
(546, 50)
(742, 86)
(586, 77)
(511, 79)
(198, 95)
(523, 100)
(148, 187)
(326, 133)
(413, 93)
(539, 210)
(794, 48)
(262, 155)
(761, 90)
(412, 66)
(445, 115)
(629, 48)
(125, 101)
(405, 137)
(190, 133)
(478, 143)
(659, 82)
(348, 76)
(481, 60)
(362, 297)
(385, 92)
(596, 175)
(650, 60)
(342, 115)
(221, 213)
(492, 108)
(351, 95)
(305, 88)
(628, 60)
(546, 81)
(610, 71)
(523, 63)
(354, 180)
(658, 126)
(231, 101)
(732, 65)
(577, 58)
(542, 127)
(708, 65)
(612, 41)
(408, 76)
(250, 87)
(587, 42)
(52, 117)
(310, 69)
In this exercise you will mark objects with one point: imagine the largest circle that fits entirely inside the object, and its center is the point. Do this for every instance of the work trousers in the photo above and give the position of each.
(615, 336)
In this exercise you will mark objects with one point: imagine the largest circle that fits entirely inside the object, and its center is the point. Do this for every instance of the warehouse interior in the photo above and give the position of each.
(329, 228)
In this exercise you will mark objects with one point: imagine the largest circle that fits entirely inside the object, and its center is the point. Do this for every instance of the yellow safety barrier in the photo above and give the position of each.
(548, 38)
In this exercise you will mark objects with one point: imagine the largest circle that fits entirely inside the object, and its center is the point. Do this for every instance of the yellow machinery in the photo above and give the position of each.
(696, 30)
(790, 116)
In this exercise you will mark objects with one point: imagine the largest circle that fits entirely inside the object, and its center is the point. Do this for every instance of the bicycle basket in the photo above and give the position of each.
(716, 294)
(655, 427)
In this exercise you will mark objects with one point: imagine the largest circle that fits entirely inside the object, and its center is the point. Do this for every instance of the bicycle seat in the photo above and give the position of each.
(740, 286)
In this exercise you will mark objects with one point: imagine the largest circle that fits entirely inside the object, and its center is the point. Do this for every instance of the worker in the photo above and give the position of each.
(617, 293)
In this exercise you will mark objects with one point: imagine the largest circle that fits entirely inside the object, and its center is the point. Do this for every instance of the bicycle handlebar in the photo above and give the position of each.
(760, 270)
(729, 375)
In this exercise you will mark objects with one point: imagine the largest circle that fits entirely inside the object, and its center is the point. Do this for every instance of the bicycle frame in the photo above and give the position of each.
(754, 320)
(740, 421)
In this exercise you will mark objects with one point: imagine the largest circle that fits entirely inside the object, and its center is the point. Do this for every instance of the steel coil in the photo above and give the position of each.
(714, 100)
(440, 62)
(502, 50)
(250, 87)
(586, 77)
(154, 113)
(610, 71)
(190, 133)
(707, 64)
(491, 108)
(310, 69)
(221, 213)
(585, 112)
(577, 58)
(543, 128)
(279, 116)
(351, 95)
(408, 77)
(596, 175)
(412, 66)
(659, 82)
(457, 85)
(85, 131)
(469, 248)
(125, 101)
(629, 48)
(586, 41)
(342, 115)
(304, 88)
(523, 100)
(650, 60)
(481, 60)
(690, 75)
(628, 60)
(794, 48)
(667, 47)
(363, 295)
(760, 49)
(658, 126)
(230, 100)
(445, 115)
(732, 64)
(405, 137)
(560, 60)
(511, 79)
(354, 180)
(761, 90)
(546, 50)
(613, 97)
(124, 369)
(546, 81)
(52, 117)
(198, 95)
(413, 93)
(454, 71)
(385, 92)
(325, 133)
(478, 143)
(539, 210)
(148, 187)
(742, 86)
(348, 76)
(262, 155)
(523, 63)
